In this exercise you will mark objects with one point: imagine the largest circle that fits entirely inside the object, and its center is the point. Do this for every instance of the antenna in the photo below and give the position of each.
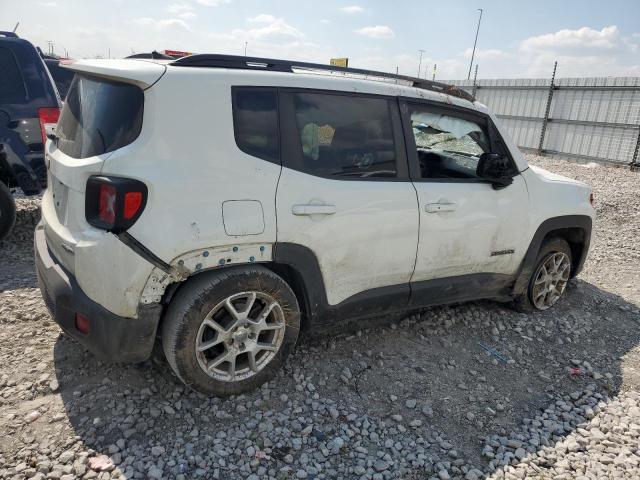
(16, 27)
(473, 53)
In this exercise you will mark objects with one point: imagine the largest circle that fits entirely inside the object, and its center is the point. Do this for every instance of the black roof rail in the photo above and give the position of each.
(274, 65)
(8, 34)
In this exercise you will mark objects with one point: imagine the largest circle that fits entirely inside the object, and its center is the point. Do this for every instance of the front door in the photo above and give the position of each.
(466, 226)
(345, 195)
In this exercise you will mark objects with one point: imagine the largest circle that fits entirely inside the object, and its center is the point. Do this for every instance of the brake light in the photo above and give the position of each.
(113, 203)
(48, 119)
(132, 203)
(107, 203)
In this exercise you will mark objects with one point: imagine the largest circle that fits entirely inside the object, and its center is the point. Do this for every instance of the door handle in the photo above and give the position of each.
(313, 209)
(440, 207)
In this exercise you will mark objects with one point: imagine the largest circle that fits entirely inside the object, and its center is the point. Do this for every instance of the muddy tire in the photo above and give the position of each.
(7, 211)
(227, 332)
(549, 278)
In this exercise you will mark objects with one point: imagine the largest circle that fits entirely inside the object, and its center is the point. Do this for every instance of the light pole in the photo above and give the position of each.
(473, 53)
(420, 62)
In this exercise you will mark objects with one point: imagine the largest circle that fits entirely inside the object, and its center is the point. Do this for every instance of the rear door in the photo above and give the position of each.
(466, 226)
(344, 192)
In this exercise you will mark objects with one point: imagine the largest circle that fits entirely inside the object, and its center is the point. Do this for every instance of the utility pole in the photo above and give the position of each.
(245, 48)
(50, 43)
(435, 66)
(420, 62)
(473, 53)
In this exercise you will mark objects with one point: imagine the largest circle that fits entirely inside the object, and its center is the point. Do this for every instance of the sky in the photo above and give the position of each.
(517, 39)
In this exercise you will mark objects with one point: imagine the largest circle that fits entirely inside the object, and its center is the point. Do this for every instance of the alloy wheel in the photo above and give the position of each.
(240, 336)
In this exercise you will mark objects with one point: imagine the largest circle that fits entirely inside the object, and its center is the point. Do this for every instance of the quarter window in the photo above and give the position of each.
(345, 136)
(447, 146)
(255, 112)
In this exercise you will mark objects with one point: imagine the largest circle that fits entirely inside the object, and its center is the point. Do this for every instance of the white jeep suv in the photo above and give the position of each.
(221, 204)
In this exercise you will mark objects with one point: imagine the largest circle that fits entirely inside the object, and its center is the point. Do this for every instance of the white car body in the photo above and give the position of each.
(211, 205)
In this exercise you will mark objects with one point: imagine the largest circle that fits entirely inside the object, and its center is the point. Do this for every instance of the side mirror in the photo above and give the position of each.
(496, 169)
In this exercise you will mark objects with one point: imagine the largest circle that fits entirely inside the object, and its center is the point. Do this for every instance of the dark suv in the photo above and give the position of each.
(29, 109)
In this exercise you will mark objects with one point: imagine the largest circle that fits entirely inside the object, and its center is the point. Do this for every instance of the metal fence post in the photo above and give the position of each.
(545, 120)
(475, 83)
(634, 160)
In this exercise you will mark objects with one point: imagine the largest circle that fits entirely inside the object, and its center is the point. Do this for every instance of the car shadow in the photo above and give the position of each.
(473, 370)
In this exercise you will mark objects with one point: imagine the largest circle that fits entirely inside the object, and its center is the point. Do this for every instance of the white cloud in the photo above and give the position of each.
(488, 54)
(161, 24)
(262, 18)
(581, 38)
(377, 31)
(271, 27)
(49, 4)
(352, 9)
(181, 10)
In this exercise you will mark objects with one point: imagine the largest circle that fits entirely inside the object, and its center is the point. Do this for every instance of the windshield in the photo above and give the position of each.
(99, 116)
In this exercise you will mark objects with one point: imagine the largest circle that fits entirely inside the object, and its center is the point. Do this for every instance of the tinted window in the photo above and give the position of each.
(62, 76)
(448, 146)
(11, 83)
(345, 136)
(256, 122)
(99, 116)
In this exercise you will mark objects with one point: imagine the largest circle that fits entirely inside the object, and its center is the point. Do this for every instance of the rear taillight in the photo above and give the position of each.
(48, 120)
(114, 203)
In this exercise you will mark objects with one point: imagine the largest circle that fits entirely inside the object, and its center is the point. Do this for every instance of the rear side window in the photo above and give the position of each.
(11, 83)
(99, 116)
(345, 136)
(255, 113)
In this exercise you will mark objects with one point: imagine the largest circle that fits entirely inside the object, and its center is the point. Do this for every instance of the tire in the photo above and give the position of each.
(199, 315)
(7, 211)
(551, 247)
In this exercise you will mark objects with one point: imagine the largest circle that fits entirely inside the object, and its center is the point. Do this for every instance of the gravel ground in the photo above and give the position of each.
(469, 391)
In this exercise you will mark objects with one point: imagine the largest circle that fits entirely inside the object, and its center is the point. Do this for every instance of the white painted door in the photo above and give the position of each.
(344, 191)
(466, 226)
(470, 228)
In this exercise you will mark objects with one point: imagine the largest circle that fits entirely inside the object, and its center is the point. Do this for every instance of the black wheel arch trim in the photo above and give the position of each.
(582, 222)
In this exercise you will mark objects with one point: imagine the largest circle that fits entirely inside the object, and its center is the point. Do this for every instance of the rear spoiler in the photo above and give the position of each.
(138, 72)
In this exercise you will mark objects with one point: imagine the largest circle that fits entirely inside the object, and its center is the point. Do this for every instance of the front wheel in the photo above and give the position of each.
(549, 278)
(7, 211)
(227, 332)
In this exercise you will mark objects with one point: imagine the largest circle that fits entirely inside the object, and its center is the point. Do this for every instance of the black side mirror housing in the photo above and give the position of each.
(496, 169)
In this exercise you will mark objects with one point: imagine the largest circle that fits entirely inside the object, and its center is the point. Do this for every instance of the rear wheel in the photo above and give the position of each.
(230, 331)
(550, 277)
(7, 211)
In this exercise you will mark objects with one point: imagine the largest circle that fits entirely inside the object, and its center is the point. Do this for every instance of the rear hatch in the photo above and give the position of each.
(102, 116)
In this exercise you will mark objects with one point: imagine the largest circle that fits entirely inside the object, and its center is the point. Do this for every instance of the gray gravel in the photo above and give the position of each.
(462, 392)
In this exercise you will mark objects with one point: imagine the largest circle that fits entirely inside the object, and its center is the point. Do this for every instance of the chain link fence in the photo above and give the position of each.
(580, 119)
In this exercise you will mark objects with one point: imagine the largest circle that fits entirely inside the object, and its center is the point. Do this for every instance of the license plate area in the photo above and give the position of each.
(60, 197)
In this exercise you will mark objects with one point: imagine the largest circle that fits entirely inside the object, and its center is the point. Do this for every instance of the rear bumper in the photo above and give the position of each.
(111, 337)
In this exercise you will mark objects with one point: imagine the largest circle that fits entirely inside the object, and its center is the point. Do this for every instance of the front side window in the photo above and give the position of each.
(255, 113)
(448, 146)
(345, 136)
